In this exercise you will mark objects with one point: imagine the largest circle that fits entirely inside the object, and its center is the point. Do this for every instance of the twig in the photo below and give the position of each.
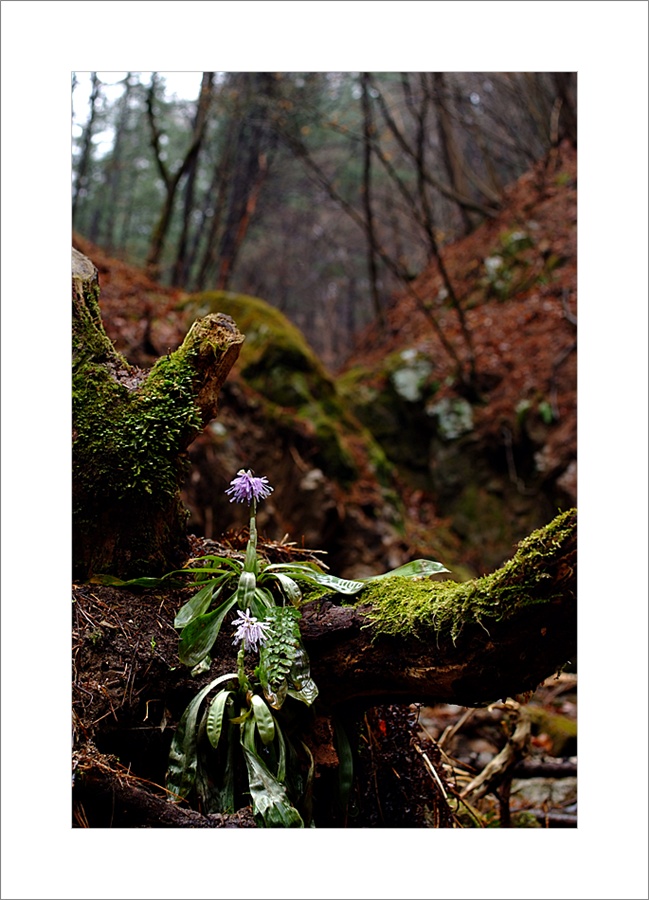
(495, 772)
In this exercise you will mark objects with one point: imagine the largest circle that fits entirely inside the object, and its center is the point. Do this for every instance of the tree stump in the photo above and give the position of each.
(131, 429)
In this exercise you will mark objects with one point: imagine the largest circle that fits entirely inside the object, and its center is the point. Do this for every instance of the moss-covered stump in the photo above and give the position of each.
(442, 642)
(130, 432)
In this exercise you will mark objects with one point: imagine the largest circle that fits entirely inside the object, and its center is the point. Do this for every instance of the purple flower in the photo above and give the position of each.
(250, 631)
(246, 487)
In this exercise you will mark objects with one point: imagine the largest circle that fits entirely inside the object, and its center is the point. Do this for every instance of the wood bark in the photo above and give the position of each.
(515, 628)
(130, 431)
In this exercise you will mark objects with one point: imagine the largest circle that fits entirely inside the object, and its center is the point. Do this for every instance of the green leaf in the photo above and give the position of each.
(281, 762)
(310, 573)
(181, 771)
(340, 585)
(270, 802)
(346, 764)
(264, 719)
(111, 581)
(214, 782)
(307, 800)
(201, 667)
(301, 685)
(294, 569)
(416, 569)
(246, 591)
(218, 561)
(215, 714)
(200, 602)
(290, 588)
(197, 638)
(263, 602)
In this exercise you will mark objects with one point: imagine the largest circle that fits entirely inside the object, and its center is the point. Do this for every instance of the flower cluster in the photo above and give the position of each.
(249, 630)
(246, 488)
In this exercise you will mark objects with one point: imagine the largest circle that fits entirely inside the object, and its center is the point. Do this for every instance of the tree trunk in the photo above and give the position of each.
(171, 182)
(130, 431)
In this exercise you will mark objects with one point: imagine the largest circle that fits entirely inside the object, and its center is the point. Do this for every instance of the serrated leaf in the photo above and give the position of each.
(181, 771)
(197, 638)
(215, 715)
(416, 568)
(263, 718)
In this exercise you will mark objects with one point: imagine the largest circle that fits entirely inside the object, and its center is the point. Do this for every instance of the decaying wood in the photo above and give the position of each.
(529, 633)
(121, 799)
(130, 431)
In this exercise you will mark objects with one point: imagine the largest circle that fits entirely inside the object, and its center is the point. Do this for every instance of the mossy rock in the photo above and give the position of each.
(392, 402)
(277, 362)
(275, 358)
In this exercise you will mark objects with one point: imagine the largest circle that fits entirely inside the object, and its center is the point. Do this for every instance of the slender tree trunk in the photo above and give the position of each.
(83, 167)
(450, 151)
(171, 182)
(114, 174)
(215, 199)
(181, 266)
(566, 90)
(368, 133)
(254, 143)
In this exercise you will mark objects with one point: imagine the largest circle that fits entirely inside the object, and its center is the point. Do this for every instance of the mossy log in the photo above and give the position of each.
(130, 432)
(469, 643)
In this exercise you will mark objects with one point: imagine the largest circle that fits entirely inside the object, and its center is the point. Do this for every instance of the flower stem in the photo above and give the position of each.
(243, 681)
(250, 562)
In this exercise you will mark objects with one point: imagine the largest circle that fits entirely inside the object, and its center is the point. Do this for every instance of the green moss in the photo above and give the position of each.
(406, 606)
(126, 442)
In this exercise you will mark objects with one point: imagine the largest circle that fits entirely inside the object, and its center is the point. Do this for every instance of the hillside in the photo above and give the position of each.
(501, 463)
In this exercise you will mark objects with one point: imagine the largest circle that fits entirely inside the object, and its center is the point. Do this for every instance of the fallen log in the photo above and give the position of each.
(469, 643)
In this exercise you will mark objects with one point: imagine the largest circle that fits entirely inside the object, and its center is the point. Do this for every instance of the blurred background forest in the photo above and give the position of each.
(408, 380)
(323, 193)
